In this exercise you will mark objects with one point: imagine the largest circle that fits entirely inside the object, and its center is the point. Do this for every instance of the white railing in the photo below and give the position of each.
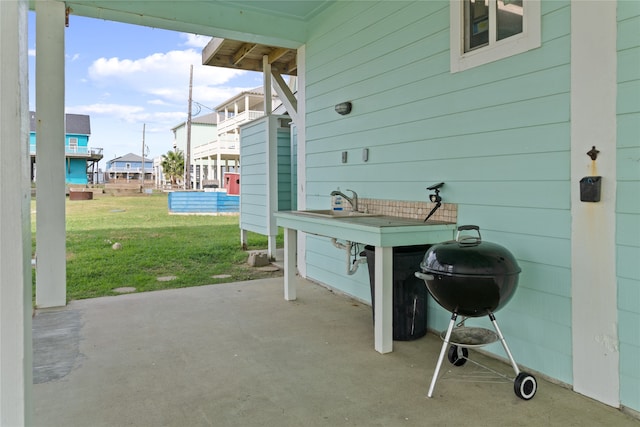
(224, 145)
(79, 151)
(89, 151)
(115, 169)
(232, 123)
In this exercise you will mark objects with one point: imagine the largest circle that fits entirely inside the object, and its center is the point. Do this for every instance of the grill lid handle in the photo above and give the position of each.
(423, 276)
(468, 240)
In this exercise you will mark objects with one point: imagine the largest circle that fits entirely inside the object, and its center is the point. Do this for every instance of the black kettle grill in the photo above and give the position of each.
(472, 278)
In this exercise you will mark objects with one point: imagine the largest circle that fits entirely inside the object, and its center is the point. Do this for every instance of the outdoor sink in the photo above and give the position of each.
(388, 221)
(329, 213)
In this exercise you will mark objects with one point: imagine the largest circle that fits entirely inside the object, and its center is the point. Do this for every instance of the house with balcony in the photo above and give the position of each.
(81, 160)
(203, 132)
(215, 137)
(129, 169)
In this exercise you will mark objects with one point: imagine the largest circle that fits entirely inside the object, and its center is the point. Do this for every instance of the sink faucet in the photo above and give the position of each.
(353, 200)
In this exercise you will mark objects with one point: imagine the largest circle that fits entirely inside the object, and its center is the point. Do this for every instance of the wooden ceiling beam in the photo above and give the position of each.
(292, 67)
(211, 49)
(276, 54)
(242, 53)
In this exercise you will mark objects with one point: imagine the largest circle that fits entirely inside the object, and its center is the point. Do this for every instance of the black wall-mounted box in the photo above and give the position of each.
(590, 188)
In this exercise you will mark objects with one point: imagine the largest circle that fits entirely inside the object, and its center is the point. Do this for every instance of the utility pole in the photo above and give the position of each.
(187, 163)
(143, 129)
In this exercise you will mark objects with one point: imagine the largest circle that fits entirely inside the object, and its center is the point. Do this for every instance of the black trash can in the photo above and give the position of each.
(409, 292)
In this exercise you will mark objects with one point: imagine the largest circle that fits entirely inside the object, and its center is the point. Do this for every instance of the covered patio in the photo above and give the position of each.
(238, 354)
(514, 130)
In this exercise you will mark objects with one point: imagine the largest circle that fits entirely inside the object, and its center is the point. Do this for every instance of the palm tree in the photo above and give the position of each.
(173, 166)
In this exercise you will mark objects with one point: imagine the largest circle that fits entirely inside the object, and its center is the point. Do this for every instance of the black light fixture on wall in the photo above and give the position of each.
(343, 108)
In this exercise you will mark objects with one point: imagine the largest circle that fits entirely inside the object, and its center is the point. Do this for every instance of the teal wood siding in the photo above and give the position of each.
(83, 141)
(75, 168)
(284, 170)
(253, 158)
(498, 135)
(76, 171)
(294, 168)
(628, 201)
(192, 202)
(32, 143)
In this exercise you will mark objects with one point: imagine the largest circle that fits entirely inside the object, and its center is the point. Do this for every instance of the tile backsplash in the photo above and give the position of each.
(416, 210)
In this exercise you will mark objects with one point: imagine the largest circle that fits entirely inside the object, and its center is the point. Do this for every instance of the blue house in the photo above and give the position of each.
(129, 168)
(81, 161)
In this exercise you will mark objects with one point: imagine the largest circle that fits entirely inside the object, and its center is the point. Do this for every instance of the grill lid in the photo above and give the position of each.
(469, 256)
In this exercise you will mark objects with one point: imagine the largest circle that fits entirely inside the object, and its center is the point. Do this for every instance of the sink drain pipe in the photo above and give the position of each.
(351, 267)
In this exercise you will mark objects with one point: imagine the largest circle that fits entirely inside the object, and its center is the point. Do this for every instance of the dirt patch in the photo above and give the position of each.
(125, 290)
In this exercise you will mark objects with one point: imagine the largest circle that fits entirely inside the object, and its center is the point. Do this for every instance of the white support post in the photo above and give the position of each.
(301, 184)
(272, 185)
(286, 96)
(243, 239)
(51, 286)
(271, 190)
(290, 254)
(383, 293)
(266, 73)
(594, 293)
(15, 227)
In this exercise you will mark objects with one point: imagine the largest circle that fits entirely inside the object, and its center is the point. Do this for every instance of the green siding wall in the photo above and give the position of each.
(628, 201)
(285, 201)
(76, 171)
(253, 155)
(294, 167)
(254, 180)
(498, 135)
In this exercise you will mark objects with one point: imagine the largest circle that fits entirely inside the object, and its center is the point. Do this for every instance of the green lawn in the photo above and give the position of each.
(154, 244)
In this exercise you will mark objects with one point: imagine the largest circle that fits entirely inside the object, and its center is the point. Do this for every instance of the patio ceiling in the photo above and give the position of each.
(271, 23)
(249, 56)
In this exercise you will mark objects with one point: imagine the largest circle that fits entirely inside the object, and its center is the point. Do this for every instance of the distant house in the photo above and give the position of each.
(81, 161)
(203, 133)
(128, 168)
(215, 137)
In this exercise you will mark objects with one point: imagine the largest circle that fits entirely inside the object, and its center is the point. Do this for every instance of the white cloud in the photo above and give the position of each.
(157, 102)
(112, 109)
(153, 90)
(32, 52)
(195, 40)
(127, 113)
(164, 75)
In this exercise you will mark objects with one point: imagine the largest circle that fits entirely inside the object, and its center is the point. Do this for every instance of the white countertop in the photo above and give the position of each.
(376, 230)
(383, 232)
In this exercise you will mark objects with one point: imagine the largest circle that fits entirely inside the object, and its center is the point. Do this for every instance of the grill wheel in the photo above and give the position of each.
(457, 355)
(525, 386)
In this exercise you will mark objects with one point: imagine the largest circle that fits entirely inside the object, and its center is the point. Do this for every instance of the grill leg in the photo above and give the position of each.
(504, 343)
(445, 345)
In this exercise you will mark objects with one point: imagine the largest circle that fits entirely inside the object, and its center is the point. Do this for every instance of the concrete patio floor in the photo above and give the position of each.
(238, 354)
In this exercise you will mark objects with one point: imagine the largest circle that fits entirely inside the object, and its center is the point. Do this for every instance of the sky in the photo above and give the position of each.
(126, 77)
